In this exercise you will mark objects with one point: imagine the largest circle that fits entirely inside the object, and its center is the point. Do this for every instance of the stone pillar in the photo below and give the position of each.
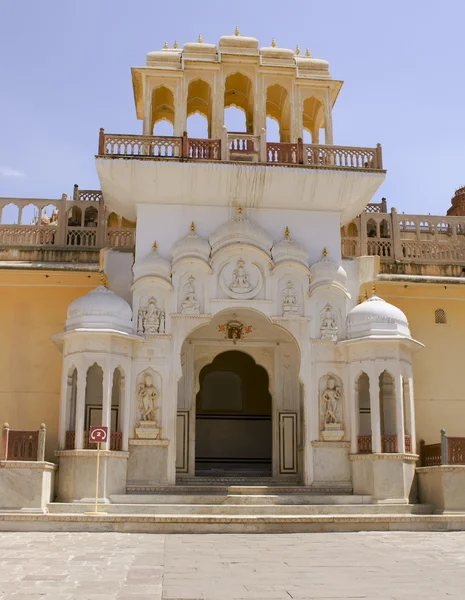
(4, 442)
(106, 402)
(147, 124)
(80, 408)
(354, 414)
(126, 412)
(217, 108)
(396, 244)
(41, 444)
(328, 124)
(399, 392)
(411, 409)
(375, 411)
(64, 408)
(180, 110)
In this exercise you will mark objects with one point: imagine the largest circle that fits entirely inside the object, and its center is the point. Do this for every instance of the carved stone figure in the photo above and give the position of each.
(151, 319)
(190, 306)
(240, 282)
(147, 394)
(331, 398)
(290, 304)
(328, 321)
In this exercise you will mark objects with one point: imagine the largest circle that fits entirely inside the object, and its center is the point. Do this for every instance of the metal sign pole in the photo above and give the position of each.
(97, 477)
(97, 435)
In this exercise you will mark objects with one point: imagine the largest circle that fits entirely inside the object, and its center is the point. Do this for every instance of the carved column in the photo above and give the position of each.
(354, 413)
(328, 123)
(126, 409)
(396, 244)
(41, 445)
(180, 111)
(64, 408)
(147, 124)
(80, 408)
(375, 410)
(106, 402)
(399, 413)
(411, 408)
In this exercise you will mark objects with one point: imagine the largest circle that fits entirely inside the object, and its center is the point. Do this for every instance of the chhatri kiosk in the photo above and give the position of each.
(234, 347)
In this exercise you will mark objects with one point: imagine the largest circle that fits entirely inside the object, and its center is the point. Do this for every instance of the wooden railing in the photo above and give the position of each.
(450, 451)
(116, 441)
(22, 445)
(388, 444)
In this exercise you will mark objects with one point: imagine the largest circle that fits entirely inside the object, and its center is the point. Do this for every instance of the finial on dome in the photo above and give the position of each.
(236, 31)
(307, 53)
(325, 252)
(366, 295)
(154, 247)
(273, 43)
(286, 232)
(165, 46)
(297, 50)
(175, 45)
(200, 40)
(239, 210)
(373, 290)
(192, 226)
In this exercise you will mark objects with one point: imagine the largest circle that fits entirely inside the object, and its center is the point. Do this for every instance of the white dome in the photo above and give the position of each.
(99, 309)
(240, 230)
(327, 273)
(153, 265)
(192, 245)
(289, 249)
(376, 317)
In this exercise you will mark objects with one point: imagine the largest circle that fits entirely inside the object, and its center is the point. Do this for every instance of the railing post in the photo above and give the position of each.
(61, 221)
(224, 144)
(4, 442)
(363, 234)
(396, 244)
(185, 145)
(262, 146)
(300, 152)
(379, 157)
(101, 142)
(444, 457)
(422, 453)
(41, 444)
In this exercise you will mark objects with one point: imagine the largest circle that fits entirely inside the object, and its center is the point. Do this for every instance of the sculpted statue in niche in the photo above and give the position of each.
(147, 396)
(328, 321)
(290, 304)
(240, 282)
(151, 319)
(190, 306)
(331, 399)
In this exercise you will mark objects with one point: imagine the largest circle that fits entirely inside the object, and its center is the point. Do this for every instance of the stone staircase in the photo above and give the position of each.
(234, 509)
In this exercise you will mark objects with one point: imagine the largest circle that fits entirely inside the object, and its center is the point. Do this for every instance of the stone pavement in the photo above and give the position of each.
(114, 566)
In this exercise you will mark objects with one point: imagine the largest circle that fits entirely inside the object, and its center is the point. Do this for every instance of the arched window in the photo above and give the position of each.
(387, 401)
(313, 118)
(384, 229)
(163, 128)
(48, 215)
(278, 109)
(74, 217)
(199, 103)
(10, 215)
(162, 105)
(364, 410)
(440, 317)
(371, 228)
(94, 396)
(352, 230)
(91, 217)
(30, 215)
(238, 93)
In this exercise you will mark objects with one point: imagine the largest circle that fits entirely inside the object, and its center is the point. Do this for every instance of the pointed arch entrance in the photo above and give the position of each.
(233, 417)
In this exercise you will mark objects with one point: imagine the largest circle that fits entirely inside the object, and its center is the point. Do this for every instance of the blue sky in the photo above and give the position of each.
(65, 72)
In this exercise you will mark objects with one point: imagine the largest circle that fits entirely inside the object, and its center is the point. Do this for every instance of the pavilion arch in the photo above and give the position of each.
(362, 394)
(29, 215)
(387, 403)
(93, 396)
(238, 93)
(75, 216)
(313, 117)
(162, 105)
(278, 109)
(91, 217)
(199, 101)
(10, 214)
(48, 215)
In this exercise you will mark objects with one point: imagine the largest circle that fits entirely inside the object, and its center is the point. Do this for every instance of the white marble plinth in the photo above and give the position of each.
(147, 430)
(332, 432)
(26, 485)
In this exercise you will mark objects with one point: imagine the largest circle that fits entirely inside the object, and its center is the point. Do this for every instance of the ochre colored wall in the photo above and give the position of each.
(438, 368)
(33, 307)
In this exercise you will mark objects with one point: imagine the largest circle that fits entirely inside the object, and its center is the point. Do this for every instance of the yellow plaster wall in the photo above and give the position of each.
(33, 307)
(439, 368)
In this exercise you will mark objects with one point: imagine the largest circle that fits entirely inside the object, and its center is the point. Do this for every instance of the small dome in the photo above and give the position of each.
(376, 317)
(192, 245)
(289, 249)
(99, 309)
(240, 230)
(326, 272)
(237, 42)
(153, 265)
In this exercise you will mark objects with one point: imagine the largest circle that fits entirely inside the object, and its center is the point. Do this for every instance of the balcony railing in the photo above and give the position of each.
(116, 441)
(450, 451)
(242, 147)
(22, 445)
(388, 444)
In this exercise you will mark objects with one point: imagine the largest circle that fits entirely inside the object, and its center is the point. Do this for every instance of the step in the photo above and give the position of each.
(226, 510)
(238, 498)
(238, 489)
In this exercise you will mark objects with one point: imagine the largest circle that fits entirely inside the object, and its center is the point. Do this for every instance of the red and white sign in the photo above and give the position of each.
(98, 434)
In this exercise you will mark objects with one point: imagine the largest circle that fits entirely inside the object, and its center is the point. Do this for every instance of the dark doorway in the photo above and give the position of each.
(233, 418)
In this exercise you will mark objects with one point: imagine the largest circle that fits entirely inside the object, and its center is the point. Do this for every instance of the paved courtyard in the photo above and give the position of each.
(91, 566)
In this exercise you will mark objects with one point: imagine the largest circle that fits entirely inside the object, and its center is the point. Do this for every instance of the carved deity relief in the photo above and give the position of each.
(328, 322)
(190, 305)
(290, 303)
(331, 400)
(151, 319)
(240, 282)
(147, 401)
